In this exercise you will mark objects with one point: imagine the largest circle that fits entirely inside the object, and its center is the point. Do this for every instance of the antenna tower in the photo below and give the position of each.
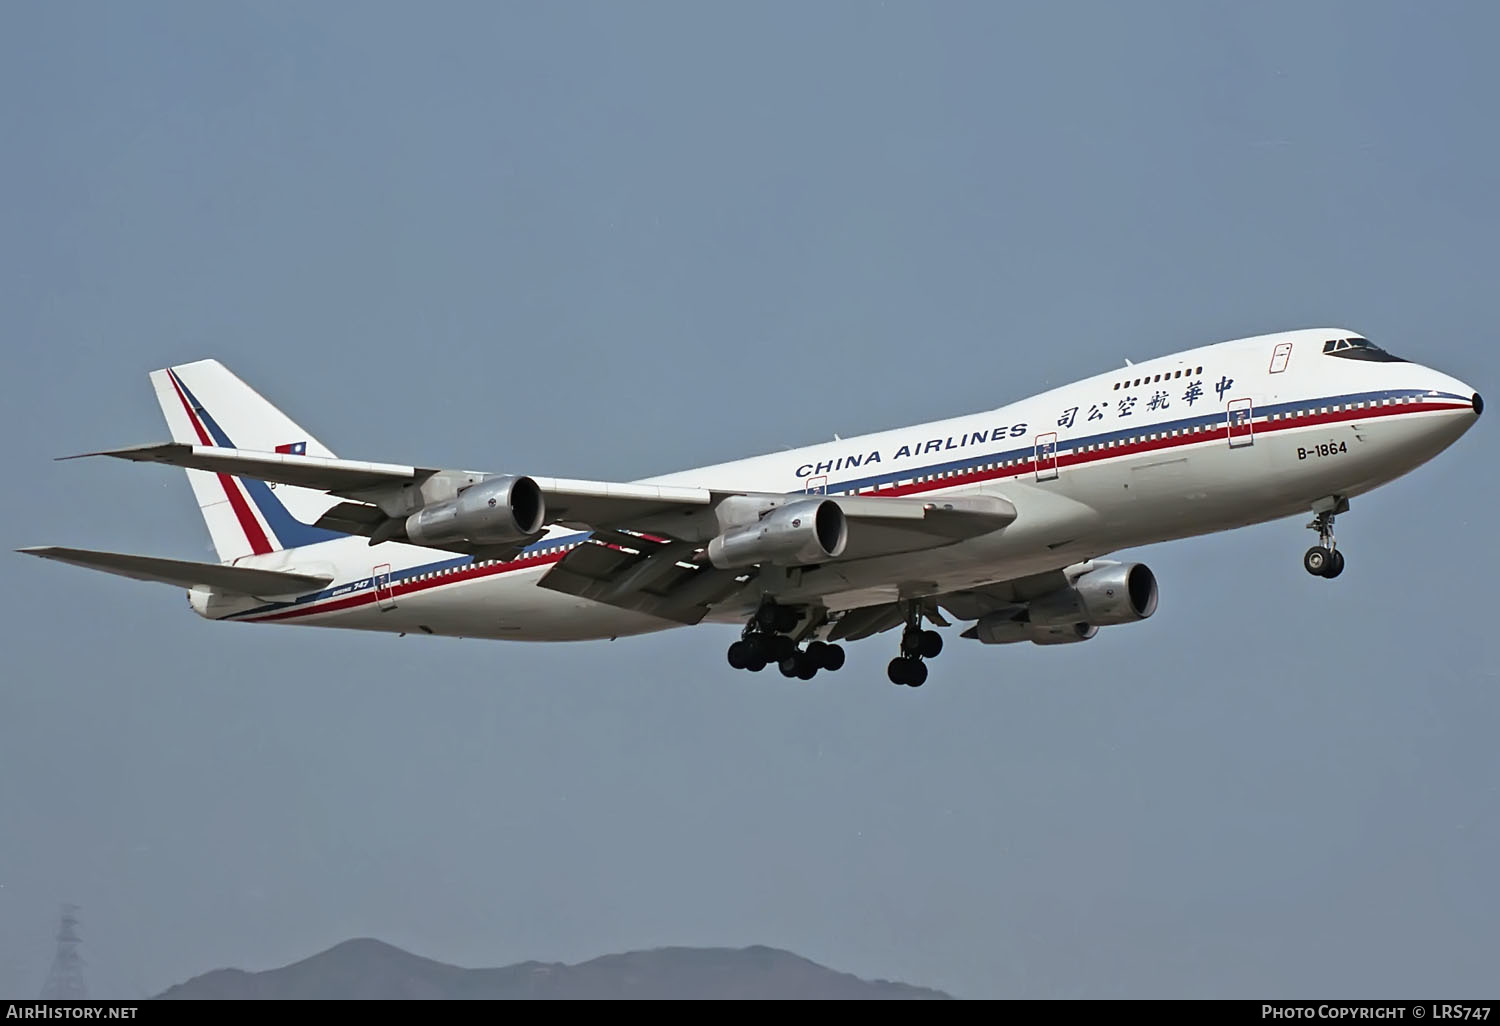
(65, 979)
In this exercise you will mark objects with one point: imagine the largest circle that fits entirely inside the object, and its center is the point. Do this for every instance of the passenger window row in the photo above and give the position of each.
(1164, 376)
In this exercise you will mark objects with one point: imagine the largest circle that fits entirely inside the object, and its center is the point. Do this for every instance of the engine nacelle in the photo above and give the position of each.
(1001, 629)
(1112, 594)
(799, 533)
(496, 511)
(1064, 635)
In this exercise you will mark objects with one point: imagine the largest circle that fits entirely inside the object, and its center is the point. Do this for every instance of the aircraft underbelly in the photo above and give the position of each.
(509, 607)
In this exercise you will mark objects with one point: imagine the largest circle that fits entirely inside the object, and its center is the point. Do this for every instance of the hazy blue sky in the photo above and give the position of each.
(616, 239)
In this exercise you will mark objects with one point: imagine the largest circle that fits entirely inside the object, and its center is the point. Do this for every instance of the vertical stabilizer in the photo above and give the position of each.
(206, 404)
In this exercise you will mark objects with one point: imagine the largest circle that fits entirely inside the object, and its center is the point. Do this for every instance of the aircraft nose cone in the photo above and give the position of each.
(1478, 404)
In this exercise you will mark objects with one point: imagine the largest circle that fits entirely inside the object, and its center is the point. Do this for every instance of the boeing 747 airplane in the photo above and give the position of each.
(1002, 520)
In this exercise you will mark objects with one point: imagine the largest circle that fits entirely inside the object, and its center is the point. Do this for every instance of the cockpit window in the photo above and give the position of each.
(1358, 349)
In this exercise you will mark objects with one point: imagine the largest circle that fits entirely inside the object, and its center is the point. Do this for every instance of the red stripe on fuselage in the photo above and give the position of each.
(1016, 470)
(412, 587)
(257, 537)
(1166, 441)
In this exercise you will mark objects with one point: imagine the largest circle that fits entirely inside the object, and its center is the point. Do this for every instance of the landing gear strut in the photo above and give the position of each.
(767, 639)
(916, 644)
(1324, 559)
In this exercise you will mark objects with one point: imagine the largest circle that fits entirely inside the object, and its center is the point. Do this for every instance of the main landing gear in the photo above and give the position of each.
(767, 639)
(1324, 559)
(916, 644)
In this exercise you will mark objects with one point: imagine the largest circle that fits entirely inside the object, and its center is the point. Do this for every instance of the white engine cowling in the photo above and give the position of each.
(1111, 594)
(1000, 629)
(497, 510)
(797, 534)
(1065, 635)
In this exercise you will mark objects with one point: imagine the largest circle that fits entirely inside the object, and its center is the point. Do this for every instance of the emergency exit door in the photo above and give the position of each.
(1241, 418)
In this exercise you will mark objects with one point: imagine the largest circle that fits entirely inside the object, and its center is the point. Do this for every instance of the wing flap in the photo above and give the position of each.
(237, 579)
(643, 573)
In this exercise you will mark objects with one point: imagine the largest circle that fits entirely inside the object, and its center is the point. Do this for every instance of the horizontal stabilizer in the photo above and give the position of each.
(239, 580)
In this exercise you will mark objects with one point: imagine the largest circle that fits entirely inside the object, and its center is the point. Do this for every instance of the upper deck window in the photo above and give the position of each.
(1358, 349)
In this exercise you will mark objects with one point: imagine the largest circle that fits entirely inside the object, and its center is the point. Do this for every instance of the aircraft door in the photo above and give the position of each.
(817, 485)
(385, 598)
(1046, 456)
(1241, 430)
(1280, 356)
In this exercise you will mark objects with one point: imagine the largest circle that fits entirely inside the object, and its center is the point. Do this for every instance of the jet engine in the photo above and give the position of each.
(1065, 635)
(1110, 594)
(1000, 629)
(799, 533)
(496, 511)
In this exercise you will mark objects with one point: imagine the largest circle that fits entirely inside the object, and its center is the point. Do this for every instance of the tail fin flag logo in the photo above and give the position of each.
(293, 448)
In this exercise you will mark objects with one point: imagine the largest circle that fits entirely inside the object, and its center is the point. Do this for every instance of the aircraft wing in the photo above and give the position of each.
(668, 577)
(885, 526)
(326, 475)
(646, 573)
(970, 604)
(647, 549)
(582, 505)
(237, 579)
(975, 603)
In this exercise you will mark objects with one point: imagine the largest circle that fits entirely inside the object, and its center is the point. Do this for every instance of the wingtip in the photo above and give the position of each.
(131, 452)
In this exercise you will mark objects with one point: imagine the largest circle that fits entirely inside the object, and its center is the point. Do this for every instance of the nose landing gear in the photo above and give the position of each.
(1324, 559)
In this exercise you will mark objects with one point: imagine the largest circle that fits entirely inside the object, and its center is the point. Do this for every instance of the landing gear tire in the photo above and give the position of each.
(825, 656)
(1318, 561)
(907, 671)
(1336, 567)
(798, 665)
(756, 662)
(782, 647)
(739, 654)
(916, 645)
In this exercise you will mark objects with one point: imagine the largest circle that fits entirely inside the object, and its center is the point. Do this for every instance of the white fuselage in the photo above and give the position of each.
(1206, 440)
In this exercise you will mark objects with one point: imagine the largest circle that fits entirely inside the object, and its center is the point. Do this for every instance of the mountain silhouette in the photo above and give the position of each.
(373, 970)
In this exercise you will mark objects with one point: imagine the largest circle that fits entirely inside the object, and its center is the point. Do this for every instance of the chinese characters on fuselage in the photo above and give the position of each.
(1159, 399)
